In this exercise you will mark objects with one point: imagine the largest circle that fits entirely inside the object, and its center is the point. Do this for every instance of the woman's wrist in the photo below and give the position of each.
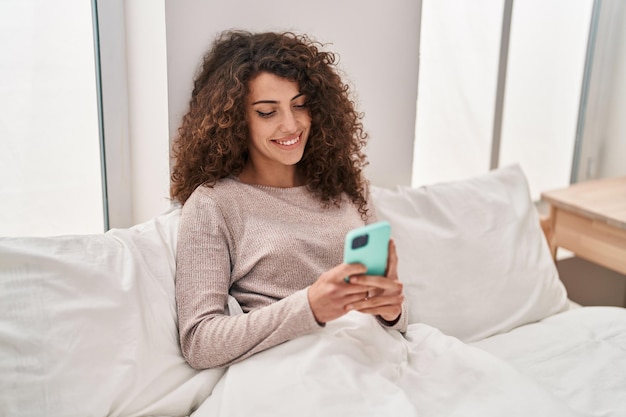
(389, 323)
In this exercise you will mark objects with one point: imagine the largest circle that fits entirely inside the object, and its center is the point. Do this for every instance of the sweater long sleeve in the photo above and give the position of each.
(264, 246)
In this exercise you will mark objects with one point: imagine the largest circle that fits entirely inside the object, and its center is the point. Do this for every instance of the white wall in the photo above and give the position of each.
(377, 42)
(146, 57)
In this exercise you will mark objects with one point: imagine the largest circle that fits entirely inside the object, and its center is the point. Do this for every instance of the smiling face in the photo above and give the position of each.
(278, 124)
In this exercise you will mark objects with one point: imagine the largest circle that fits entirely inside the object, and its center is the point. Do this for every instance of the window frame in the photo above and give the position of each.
(111, 76)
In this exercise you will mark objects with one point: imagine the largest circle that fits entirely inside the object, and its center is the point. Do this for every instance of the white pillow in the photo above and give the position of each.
(88, 326)
(472, 254)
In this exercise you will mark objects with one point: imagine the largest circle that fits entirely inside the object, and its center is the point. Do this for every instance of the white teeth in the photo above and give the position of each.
(288, 142)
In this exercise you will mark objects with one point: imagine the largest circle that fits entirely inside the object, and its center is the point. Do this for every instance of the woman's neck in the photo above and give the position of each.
(283, 177)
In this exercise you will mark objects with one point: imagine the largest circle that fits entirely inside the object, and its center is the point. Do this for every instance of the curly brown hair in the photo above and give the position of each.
(212, 141)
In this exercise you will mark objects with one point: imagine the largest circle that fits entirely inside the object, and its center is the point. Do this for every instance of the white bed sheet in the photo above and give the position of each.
(353, 367)
(579, 355)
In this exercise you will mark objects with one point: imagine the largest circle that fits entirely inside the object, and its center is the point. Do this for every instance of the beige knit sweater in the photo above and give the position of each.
(264, 246)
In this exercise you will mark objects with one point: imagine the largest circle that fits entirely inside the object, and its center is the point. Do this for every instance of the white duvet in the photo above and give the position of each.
(579, 355)
(353, 367)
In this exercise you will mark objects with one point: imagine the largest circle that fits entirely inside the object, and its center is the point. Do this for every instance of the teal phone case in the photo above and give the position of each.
(369, 245)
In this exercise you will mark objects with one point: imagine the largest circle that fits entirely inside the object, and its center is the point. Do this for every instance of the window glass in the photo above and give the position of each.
(459, 52)
(49, 147)
(547, 51)
(458, 75)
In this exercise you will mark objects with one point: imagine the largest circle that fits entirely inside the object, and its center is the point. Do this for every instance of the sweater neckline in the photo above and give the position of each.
(296, 189)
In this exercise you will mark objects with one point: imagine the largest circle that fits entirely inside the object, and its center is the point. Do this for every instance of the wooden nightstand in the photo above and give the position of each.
(589, 219)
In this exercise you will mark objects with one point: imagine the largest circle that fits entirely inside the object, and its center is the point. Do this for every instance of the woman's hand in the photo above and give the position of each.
(386, 297)
(330, 297)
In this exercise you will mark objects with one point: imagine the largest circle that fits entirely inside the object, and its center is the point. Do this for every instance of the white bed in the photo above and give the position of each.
(88, 326)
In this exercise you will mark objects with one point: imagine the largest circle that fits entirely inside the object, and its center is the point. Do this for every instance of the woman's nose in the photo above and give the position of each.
(289, 123)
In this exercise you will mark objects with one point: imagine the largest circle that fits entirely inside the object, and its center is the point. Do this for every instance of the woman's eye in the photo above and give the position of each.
(264, 114)
(300, 106)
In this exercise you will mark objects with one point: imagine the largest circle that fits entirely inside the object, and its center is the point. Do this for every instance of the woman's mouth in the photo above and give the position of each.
(288, 142)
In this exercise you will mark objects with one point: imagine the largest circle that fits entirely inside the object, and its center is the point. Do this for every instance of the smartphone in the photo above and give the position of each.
(368, 245)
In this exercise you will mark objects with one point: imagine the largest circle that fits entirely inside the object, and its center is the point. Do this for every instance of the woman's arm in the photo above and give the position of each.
(209, 338)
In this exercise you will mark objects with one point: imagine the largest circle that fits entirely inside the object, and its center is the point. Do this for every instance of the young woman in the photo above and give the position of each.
(268, 167)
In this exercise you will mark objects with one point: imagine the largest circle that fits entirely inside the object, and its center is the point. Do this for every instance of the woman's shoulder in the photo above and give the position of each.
(224, 190)
(224, 186)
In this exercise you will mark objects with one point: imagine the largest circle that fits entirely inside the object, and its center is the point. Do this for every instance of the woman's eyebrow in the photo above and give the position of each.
(265, 102)
(276, 101)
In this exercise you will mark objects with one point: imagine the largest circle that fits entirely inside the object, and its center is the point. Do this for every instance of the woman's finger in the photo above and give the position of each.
(392, 262)
(382, 283)
(366, 303)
